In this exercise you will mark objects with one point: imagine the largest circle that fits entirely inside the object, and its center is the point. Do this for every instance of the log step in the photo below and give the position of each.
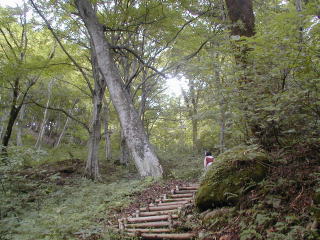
(168, 203)
(189, 188)
(160, 208)
(174, 200)
(148, 224)
(181, 195)
(164, 235)
(158, 219)
(155, 213)
(184, 191)
(151, 218)
(149, 230)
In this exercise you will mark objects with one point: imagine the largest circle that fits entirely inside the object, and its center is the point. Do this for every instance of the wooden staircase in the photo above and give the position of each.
(158, 219)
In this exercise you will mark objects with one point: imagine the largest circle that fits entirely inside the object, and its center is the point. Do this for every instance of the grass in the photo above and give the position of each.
(40, 200)
(51, 211)
(73, 210)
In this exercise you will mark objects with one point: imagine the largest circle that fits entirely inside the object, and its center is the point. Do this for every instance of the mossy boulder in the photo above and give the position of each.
(316, 198)
(227, 179)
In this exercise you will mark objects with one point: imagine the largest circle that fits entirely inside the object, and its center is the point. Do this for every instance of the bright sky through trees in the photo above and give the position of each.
(173, 84)
(11, 3)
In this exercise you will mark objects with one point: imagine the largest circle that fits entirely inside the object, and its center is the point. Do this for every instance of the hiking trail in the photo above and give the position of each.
(158, 219)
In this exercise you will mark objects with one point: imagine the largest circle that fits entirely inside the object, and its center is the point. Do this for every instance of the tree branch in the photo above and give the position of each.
(139, 58)
(62, 47)
(63, 111)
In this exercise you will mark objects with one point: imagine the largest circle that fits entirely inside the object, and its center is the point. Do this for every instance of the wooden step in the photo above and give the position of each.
(155, 213)
(164, 235)
(172, 203)
(174, 199)
(151, 218)
(189, 188)
(168, 203)
(149, 230)
(157, 220)
(160, 208)
(183, 191)
(147, 224)
(180, 195)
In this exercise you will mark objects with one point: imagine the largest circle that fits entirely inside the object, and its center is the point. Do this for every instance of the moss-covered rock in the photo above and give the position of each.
(232, 173)
(316, 198)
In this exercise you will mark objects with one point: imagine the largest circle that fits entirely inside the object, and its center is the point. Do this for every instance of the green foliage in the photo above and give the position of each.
(50, 211)
(181, 165)
(23, 156)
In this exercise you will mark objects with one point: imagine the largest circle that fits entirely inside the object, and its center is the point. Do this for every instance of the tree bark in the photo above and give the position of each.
(92, 166)
(14, 111)
(19, 125)
(3, 119)
(142, 152)
(62, 132)
(65, 124)
(44, 121)
(241, 10)
(242, 18)
(12, 117)
(222, 104)
(125, 155)
(192, 100)
(143, 101)
(195, 144)
(108, 152)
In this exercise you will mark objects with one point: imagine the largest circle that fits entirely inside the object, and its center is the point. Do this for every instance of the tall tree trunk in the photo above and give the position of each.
(222, 126)
(142, 152)
(222, 103)
(12, 117)
(191, 99)
(44, 120)
(108, 152)
(3, 118)
(241, 15)
(242, 18)
(62, 132)
(20, 125)
(143, 101)
(300, 23)
(195, 141)
(92, 166)
(14, 111)
(124, 150)
(65, 124)
(241, 10)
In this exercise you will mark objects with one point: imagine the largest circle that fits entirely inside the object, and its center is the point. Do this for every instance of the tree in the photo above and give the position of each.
(143, 154)
(20, 70)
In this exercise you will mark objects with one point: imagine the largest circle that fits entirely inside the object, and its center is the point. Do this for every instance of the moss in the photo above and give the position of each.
(316, 198)
(230, 175)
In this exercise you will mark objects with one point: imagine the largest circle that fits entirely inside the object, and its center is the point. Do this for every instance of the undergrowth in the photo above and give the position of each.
(285, 205)
(43, 199)
(44, 196)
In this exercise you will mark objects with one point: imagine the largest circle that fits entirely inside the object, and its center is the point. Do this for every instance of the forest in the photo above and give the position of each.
(107, 104)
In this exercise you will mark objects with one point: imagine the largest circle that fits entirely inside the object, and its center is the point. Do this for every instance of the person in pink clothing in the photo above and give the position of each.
(208, 160)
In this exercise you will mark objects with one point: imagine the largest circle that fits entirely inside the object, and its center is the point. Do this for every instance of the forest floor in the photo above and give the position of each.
(52, 200)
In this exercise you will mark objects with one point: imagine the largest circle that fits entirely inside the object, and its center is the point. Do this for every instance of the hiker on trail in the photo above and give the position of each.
(208, 160)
